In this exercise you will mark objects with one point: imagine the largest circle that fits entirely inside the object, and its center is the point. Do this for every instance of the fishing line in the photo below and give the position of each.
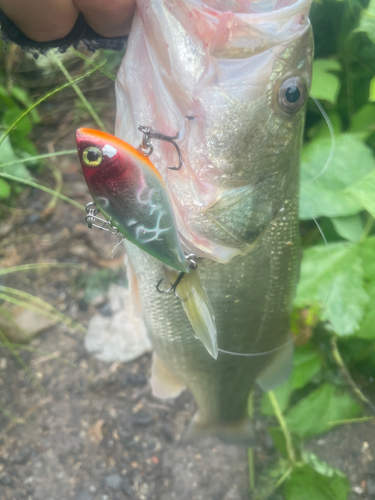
(253, 354)
(333, 141)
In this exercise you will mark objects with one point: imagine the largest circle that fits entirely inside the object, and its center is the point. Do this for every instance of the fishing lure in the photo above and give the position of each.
(129, 191)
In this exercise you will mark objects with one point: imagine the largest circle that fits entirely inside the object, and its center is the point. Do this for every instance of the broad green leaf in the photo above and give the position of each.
(325, 188)
(367, 328)
(367, 23)
(364, 192)
(4, 189)
(367, 253)
(23, 127)
(325, 85)
(7, 156)
(306, 364)
(349, 228)
(326, 404)
(332, 280)
(282, 394)
(364, 120)
(305, 483)
(372, 90)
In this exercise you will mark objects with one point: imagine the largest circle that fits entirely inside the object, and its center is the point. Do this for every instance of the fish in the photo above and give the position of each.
(233, 78)
(129, 191)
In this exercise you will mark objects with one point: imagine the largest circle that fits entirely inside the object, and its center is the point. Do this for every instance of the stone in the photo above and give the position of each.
(114, 481)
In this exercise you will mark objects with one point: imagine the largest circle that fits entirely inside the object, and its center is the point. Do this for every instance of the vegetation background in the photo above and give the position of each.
(333, 382)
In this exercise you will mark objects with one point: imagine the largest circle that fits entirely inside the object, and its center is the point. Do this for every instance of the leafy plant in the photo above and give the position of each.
(334, 318)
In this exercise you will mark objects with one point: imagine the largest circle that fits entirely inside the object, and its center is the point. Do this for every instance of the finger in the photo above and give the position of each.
(41, 20)
(109, 18)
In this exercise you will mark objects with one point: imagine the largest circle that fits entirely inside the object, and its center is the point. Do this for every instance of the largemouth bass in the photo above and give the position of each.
(232, 77)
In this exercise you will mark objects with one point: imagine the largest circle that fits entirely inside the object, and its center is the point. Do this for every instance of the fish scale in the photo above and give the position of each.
(221, 387)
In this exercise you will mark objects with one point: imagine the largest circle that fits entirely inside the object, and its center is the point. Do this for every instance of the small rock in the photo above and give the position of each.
(144, 489)
(22, 456)
(32, 323)
(114, 481)
(83, 495)
(92, 489)
(32, 218)
(105, 309)
(137, 379)
(6, 480)
(358, 490)
(126, 488)
(371, 487)
(142, 418)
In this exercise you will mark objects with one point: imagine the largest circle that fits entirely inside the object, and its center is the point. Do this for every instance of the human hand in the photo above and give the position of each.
(46, 20)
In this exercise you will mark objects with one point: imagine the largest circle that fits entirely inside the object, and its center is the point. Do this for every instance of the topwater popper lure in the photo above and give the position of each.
(129, 191)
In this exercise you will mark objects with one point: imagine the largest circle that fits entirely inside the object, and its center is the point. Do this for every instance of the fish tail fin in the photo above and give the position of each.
(239, 433)
(199, 311)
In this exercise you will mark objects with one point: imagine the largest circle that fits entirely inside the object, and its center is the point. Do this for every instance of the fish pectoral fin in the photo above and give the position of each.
(164, 383)
(240, 433)
(199, 311)
(280, 368)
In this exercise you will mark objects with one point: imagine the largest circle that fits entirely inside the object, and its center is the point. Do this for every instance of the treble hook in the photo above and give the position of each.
(146, 147)
(191, 259)
(91, 217)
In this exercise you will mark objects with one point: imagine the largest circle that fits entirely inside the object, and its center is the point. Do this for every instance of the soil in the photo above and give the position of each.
(92, 430)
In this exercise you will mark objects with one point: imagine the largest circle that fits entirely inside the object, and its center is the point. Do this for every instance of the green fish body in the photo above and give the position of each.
(235, 84)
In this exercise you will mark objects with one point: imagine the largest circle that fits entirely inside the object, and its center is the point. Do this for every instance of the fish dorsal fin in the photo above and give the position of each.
(198, 309)
(164, 383)
(278, 371)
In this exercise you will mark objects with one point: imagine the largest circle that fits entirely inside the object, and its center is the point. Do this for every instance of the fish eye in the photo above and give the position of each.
(292, 94)
(92, 157)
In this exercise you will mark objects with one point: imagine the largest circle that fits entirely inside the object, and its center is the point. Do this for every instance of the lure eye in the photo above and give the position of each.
(92, 157)
(292, 95)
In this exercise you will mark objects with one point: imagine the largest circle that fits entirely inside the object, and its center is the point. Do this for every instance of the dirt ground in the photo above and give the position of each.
(93, 430)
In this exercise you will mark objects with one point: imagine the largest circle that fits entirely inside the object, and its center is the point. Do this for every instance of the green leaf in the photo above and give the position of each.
(367, 253)
(350, 228)
(4, 189)
(326, 404)
(372, 90)
(22, 96)
(332, 281)
(7, 156)
(327, 193)
(307, 363)
(364, 120)
(325, 85)
(367, 23)
(23, 127)
(282, 394)
(363, 191)
(306, 483)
